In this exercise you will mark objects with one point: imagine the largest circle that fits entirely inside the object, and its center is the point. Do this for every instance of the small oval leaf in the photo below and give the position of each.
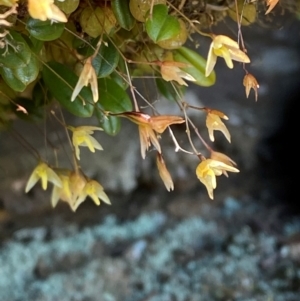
(196, 66)
(18, 79)
(11, 79)
(112, 97)
(17, 54)
(122, 13)
(68, 6)
(161, 26)
(61, 82)
(44, 30)
(110, 124)
(106, 60)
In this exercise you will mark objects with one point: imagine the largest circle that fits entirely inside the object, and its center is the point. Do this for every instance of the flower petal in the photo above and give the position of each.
(221, 40)
(32, 181)
(211, 61)
(164, 173)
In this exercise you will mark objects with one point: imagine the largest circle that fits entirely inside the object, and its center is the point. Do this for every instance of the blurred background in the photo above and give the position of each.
(154, 245)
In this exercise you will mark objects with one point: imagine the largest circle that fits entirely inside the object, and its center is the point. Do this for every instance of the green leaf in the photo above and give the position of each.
(18, 79)
(122, 13)
(106, 60)
(36, 45)
(112, 97)
(68, 6)
(166, 89)
(196, 66)
(110, 124)
(44, 30)
(61, 82)
(11, 79)
(16, 53)
(28, 73)
(162, 26)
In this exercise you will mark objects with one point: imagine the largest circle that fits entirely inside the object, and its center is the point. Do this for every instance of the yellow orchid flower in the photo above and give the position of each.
(227, 48)
(63, 192)
(250, 82)
(207, 171)
(95, 191)
(170, 70)
(46, 10)
(82, 137)
(214, 123)
(149, 126)
(72, 185)
(222, 158)
(87, 76)
(164, 173)
(46, 174)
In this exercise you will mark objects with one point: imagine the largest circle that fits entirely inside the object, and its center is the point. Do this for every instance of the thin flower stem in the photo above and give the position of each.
(132, 89)
(188, 131)
(63, 123)
(177, 146)
(199, 136)
(26, 145)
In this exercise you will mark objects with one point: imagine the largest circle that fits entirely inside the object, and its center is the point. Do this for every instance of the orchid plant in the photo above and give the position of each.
(82, 56)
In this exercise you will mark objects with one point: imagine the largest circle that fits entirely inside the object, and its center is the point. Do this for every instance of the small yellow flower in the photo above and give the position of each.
(164, 173)
(207, 171)
(222, 158)
(170, 70)
(87, 76)
(149, 126)
(63, 192)
(46, 10)
(72, 185)
(46, 174)
(250, 82)
(227, 48)
(95, 191)
(214, 123)
(82, 137)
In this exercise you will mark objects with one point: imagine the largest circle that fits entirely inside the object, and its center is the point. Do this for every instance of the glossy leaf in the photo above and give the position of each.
(11, 79)
(110, 124)
(162, 26)
(61, 82)
(196, 66)
(18, 79)
(112, 97)
(122, 13)
(44, 30)
(17, 54)
(28, 73)
(106, 60)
